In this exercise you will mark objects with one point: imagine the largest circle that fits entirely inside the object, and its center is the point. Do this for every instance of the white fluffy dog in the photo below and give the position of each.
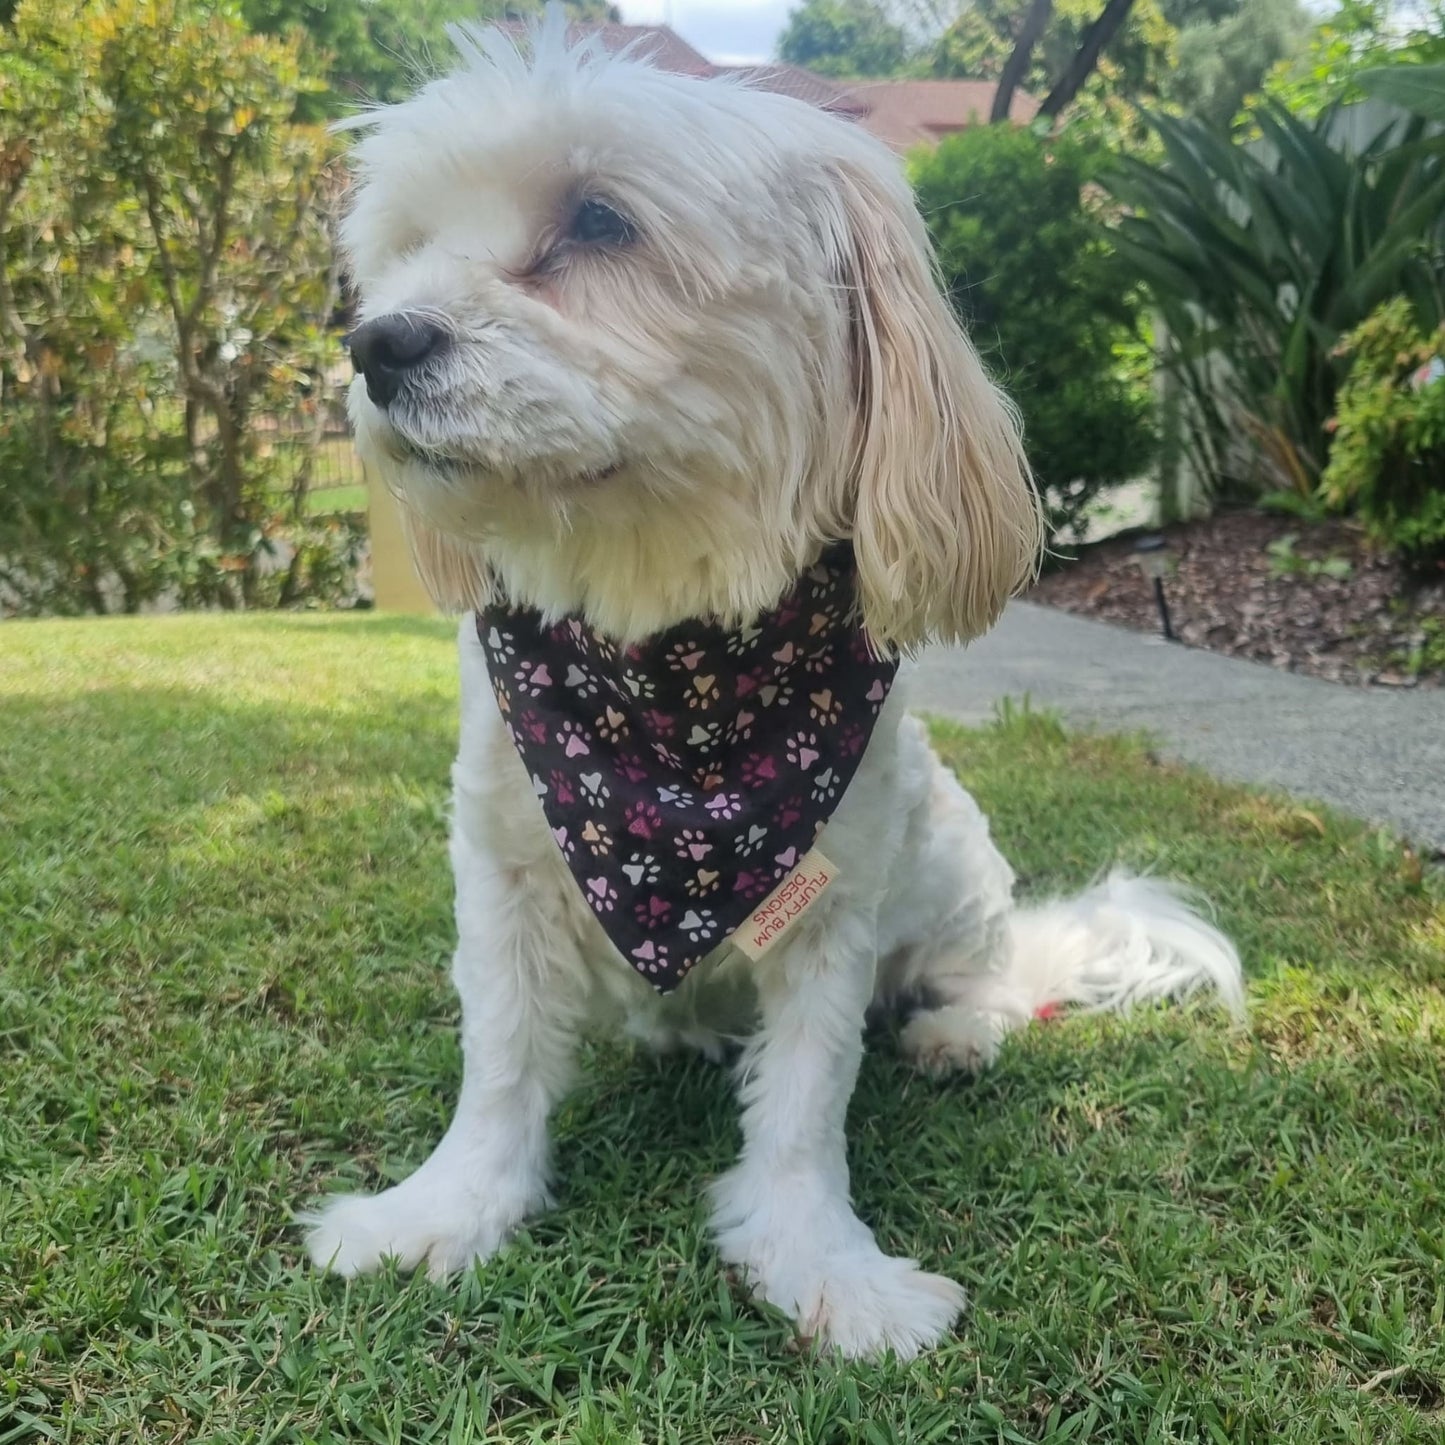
(639, 349)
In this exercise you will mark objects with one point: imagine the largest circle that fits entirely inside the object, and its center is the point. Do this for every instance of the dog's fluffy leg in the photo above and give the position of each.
(783, 1212)
(517, 970)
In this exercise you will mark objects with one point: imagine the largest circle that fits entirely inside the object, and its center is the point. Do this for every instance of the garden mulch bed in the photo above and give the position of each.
(1228, 593)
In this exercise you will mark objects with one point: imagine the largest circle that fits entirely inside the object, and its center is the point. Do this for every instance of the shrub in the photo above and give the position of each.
(166, 279)
(1033, 275)
(1387, 463)
(1259, 256)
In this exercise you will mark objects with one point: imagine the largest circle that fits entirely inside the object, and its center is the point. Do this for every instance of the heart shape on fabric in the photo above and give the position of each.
(538, 786)
(597, 887)
(819, 622)
(494, 640)
(645, 951)
(576, 747)
(711, 781)
(785, 654)
(591, 781)
(743, 720)
(825, 778)
(787, 857)
(634, 872)
(823, 701)
(690, 660)
(541, 677)
(658, 907)
(768, 695)
(614, 718)
(766, 769)
(745, 684)
(699, 737)
(698, 851)
(703, 685)
(691, 923)
(560, 834)
(589, 832)
(806, 758)
(705, 876)
(756, 834)
(877, 692)
(575, 677)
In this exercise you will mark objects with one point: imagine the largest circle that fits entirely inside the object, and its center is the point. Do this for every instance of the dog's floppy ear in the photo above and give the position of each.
(453, 572)
(946, 525)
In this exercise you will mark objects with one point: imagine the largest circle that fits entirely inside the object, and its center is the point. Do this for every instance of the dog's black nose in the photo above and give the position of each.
(384, 350)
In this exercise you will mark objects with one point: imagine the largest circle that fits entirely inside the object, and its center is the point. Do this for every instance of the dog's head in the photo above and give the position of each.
(636, 344)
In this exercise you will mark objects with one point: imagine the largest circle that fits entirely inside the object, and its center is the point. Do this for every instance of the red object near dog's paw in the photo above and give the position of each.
(1047, 1011)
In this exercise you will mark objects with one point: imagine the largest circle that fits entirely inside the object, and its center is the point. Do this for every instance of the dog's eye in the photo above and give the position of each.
(595, 223)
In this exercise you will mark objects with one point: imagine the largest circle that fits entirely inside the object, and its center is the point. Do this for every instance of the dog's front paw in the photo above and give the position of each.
(828, 1273)
(421, 1221)
(866, 1305)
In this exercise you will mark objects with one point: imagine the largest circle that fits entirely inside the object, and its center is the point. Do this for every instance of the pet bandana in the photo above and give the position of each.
(685, 777)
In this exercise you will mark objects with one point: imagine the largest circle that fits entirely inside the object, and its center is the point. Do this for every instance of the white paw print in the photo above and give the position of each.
(580, 680)
(699, 924)
(724, 805)
(641, 868)
(594, 790)
(748, 843)
(670, 794)
(501, 644)
(825, 786)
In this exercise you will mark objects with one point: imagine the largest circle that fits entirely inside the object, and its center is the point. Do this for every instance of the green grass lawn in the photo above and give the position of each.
(224, 930)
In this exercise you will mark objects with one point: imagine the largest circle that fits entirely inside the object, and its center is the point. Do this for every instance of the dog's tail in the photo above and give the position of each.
(1124, 941)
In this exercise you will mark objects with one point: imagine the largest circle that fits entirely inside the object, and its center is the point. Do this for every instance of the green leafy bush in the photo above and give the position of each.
(1387, 464)
(166, 279)
(1033, 275)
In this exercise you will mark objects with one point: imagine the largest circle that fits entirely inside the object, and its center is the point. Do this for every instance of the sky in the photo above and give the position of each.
(727, 31)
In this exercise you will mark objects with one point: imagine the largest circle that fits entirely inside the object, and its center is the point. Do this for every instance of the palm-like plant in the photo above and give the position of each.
(1261, 255)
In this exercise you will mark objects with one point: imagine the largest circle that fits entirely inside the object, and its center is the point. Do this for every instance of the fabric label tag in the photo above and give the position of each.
(774, 918)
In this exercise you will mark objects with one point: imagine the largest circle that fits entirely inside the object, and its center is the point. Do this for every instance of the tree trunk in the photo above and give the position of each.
(1081, 67)
(1016, 67)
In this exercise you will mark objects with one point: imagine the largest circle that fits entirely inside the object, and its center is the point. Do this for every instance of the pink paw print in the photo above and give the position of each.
(759, 769)
(600, 894)
(561, 786)
(503, 694)
(533, 678)
(659, 724)
(643, 820)
(534, 727)
(652, 912)
(572, 738)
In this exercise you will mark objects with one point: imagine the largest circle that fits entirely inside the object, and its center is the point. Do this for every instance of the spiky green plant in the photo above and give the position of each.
(1261, 254)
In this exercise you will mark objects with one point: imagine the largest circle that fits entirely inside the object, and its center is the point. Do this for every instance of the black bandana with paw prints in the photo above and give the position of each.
(684, 777)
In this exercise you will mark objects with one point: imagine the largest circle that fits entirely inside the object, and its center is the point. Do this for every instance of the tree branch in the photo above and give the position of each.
(1016, 66)
(1081, 67)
